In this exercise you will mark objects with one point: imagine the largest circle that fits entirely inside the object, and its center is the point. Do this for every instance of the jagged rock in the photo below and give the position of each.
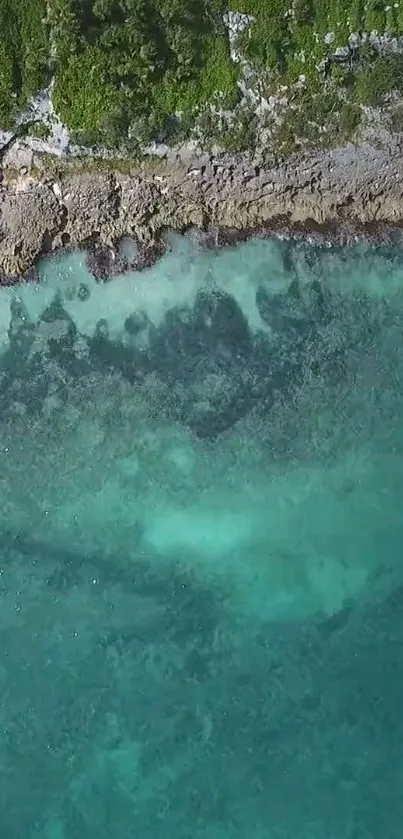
(336, 194)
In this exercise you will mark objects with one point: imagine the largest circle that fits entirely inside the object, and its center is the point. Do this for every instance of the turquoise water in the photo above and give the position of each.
(201, 576)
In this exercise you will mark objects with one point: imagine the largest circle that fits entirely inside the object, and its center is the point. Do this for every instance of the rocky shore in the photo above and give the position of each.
(332, 196)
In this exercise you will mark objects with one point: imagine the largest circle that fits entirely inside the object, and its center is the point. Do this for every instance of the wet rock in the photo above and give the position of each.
(83, 292)
(101, 261)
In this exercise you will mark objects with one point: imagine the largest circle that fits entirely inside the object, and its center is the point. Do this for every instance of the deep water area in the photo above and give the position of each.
(201, 530)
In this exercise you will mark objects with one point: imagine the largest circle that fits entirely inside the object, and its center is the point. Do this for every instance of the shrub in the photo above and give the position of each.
(375, 82)
(349, 118)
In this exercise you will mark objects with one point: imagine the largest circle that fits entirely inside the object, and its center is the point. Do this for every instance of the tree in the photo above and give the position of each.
(64, 28)
(105, 9)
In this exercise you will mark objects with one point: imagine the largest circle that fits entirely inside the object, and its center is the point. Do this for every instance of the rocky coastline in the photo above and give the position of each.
(333, 197)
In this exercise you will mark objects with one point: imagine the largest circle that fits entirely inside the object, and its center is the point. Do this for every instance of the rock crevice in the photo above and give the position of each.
(337, 194)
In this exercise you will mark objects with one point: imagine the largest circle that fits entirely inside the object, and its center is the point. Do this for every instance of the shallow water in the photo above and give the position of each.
(201, 581)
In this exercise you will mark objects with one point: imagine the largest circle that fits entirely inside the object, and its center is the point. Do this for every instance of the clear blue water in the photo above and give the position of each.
(201, 579)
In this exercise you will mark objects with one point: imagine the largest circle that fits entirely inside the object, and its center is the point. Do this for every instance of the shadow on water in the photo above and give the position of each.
(133, 703)
(188, 607)
(302, 720)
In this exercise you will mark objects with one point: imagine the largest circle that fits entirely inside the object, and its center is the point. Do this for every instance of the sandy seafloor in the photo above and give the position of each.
(201, 524)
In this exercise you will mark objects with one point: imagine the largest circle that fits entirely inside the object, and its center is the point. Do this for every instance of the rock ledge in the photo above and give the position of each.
(334, 195)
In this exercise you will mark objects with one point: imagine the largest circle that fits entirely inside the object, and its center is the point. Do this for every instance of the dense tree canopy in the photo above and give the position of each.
(125, 68)
(24, 53)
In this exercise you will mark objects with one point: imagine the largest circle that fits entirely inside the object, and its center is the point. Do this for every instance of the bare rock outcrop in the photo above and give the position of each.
(341, 193)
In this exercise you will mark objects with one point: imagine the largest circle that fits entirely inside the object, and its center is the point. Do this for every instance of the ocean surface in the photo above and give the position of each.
(201, 530)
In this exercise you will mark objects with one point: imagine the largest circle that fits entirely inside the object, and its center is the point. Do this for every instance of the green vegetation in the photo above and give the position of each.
(290, 34)
(126, 67)
(318, 121)
(39, 130)
(126, 72)
(24, 54)
(380, 77)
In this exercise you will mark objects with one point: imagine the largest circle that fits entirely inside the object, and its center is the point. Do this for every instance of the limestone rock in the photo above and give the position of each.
(350, 190)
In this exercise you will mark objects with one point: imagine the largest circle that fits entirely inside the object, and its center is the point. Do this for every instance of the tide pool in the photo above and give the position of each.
(201, 471)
